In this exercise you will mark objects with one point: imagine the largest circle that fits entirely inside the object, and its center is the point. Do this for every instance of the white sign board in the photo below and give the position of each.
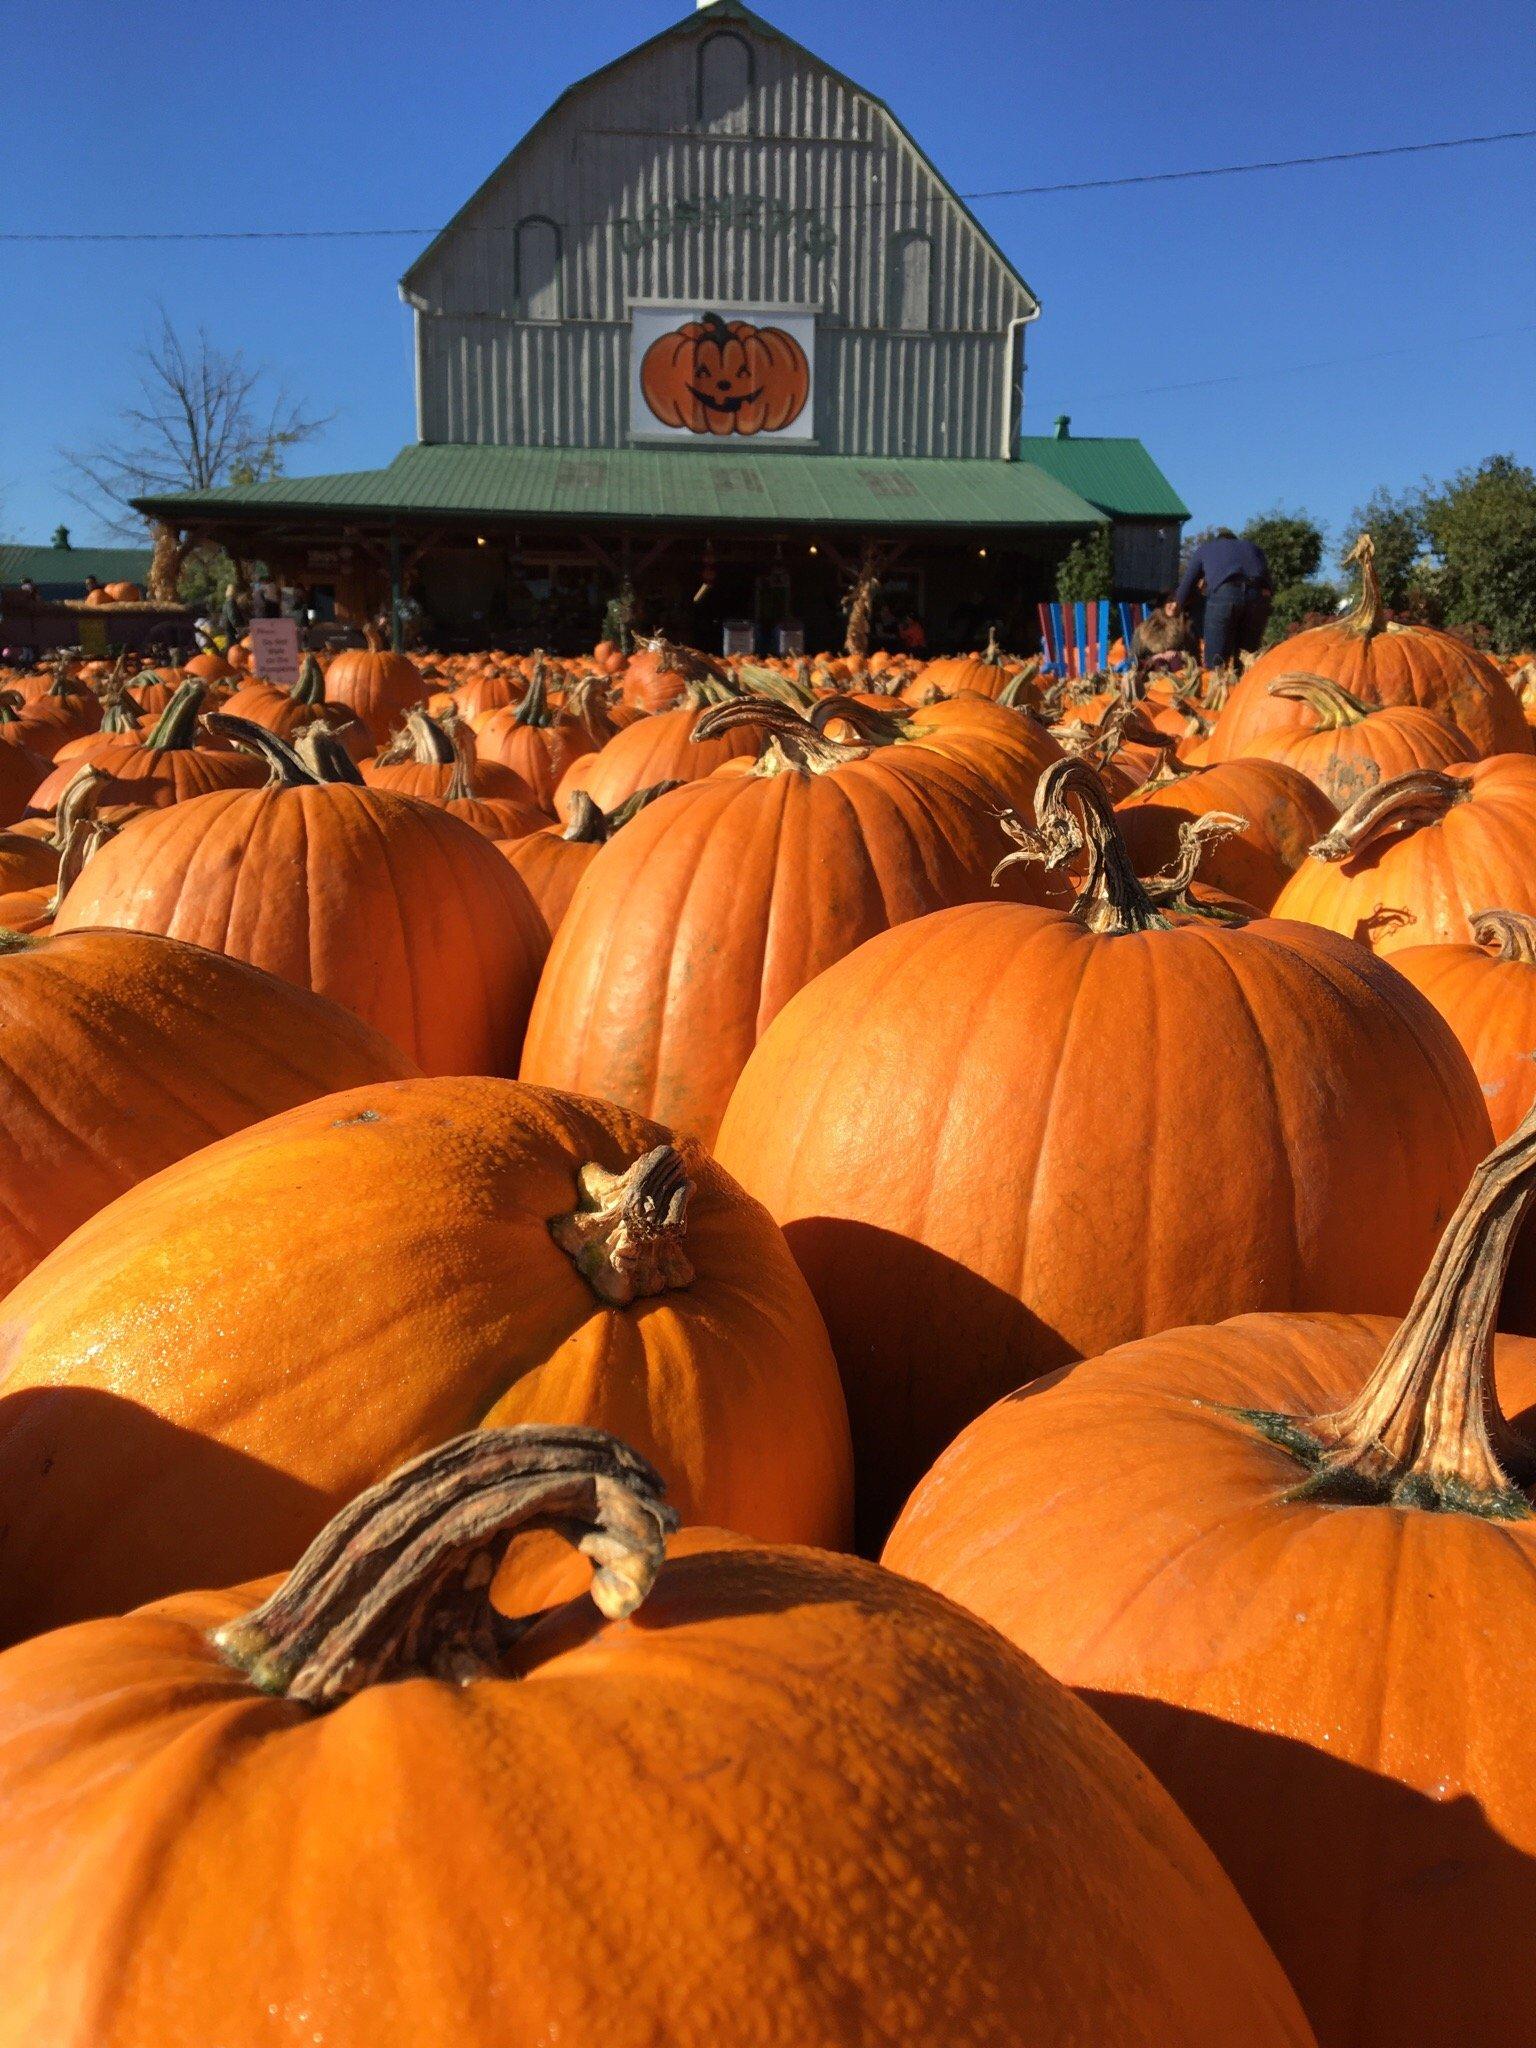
(722, 372)
(275, 651)
(738, 637)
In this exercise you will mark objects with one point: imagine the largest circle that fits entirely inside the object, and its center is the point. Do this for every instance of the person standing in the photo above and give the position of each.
(1238, 592)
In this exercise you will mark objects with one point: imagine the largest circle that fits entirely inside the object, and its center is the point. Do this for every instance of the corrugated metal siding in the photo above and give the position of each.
(626, 149)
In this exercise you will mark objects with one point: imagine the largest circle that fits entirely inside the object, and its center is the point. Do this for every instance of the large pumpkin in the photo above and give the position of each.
(533, 740)
(1292, 1559)
(1355, 746)
(796, 1800)
(444, 766)
(1000, 1138)
(1280, 814)
(1410, 861)
(121, 1052)
(166, 767)
(659, 749)
(386, 904)
(691, 930)
(551, 862)
(717, 377)
(348, 1284)
(1377, 663)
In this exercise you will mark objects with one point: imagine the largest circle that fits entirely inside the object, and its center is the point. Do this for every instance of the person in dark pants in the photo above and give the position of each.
(1238, 593)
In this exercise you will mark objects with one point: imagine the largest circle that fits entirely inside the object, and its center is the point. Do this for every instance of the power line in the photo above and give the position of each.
(1453, 341)
(1283, 163)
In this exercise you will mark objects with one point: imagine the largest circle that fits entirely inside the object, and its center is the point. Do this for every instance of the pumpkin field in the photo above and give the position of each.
(826, 1352)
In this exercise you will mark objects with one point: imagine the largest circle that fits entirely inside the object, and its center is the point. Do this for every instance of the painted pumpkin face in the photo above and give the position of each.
(714, 378)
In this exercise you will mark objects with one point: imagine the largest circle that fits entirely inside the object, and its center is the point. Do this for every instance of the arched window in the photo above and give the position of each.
(725, 80)
(909, 300)
(538, 268)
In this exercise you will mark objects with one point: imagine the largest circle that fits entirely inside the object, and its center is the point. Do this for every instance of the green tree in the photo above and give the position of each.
(1481, 525)
(1087, 570)
(1292, 544)
(1298, 605)
(1395, 522)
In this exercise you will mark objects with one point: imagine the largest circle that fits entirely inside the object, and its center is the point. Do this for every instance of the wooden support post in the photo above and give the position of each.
(396, 623)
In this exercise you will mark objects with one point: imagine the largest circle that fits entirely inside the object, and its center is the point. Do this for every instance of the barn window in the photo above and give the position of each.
(911, 272)
(725, 80)
(538, 268)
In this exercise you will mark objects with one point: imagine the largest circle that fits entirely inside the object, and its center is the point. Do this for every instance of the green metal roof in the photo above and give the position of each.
(702, 20)
(658, 485)
(61, 572)
(1118, 475)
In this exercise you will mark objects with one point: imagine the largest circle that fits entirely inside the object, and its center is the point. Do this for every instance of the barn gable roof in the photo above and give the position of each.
(701, 22)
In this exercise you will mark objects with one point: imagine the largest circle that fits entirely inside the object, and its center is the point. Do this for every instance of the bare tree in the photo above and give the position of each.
(203, 417)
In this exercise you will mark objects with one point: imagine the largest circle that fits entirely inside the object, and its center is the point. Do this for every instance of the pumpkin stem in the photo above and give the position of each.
(77, 831)
(1021, 686)
(1335, 706)
(310, 686)
(1405, 804)
(323, 756)
(632, 806)
(121, 714)
(176, 727)
(1507, 934)
(585, 823)
(796, 691)
(1111, 899)
(397, 1586)
(1369, 616)
(1169, 888)
(790, 740)
(625, 1234)
(875, 725)
(1427, 1431)
(287, 769)
(534, 708)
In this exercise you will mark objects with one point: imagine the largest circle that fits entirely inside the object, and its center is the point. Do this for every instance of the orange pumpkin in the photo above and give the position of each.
(553, 861)
(969, 1133)
(694, 927)
(1291, 1560)
(800, 1797)
(652, 750)
(1377, 664)
(376, 686)
(534, 741)
(484, 1252)
(1410, 861)
(1355, 746)
(1281, 815)
(402, 914)
(717, 377)
(166, 767)
(446, 768)
(212, 1044)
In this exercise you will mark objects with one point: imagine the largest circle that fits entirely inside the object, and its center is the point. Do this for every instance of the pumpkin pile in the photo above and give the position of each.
(821, 1351)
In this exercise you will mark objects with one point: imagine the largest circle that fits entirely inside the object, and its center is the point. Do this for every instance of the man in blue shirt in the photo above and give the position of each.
(1235, 578)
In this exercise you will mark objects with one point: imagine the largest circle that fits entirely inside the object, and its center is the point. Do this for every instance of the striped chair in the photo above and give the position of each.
(1075, 638)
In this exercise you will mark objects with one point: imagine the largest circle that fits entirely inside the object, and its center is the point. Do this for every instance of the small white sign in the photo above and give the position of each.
(721, 373)
(275, 651)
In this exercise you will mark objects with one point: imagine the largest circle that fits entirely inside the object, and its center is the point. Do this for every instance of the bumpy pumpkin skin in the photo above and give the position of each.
(122, 1052)
(404, 915)
(1418, 887)
(717, 377)
(695, 925)
(1089, 1138)
(1347, 760)
(1338, 1697)
(803, 1801)
(1285, 814)
(283, 1318)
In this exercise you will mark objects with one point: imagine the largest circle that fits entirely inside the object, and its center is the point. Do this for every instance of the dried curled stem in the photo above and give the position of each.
(585, 824)
(1170, 887)
(1427, 1430)
(1405, 804)
(1335, 706)
(791, 742)
(1507, 934)
(398, 1584)
(1111, 900)
(625, 1236)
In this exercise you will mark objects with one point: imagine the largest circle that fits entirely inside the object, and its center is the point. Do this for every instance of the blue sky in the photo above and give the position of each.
(1408, 281)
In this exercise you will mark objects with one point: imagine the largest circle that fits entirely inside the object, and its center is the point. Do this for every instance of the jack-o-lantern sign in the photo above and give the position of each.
(714, 377)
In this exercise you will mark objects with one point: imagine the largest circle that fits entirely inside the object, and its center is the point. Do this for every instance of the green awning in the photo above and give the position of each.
(1116, 474)
(664, 485)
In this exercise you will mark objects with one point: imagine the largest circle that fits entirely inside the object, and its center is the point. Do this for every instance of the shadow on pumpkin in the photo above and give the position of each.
(1381, 1883)
(923, 1345)
(104, 1505)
